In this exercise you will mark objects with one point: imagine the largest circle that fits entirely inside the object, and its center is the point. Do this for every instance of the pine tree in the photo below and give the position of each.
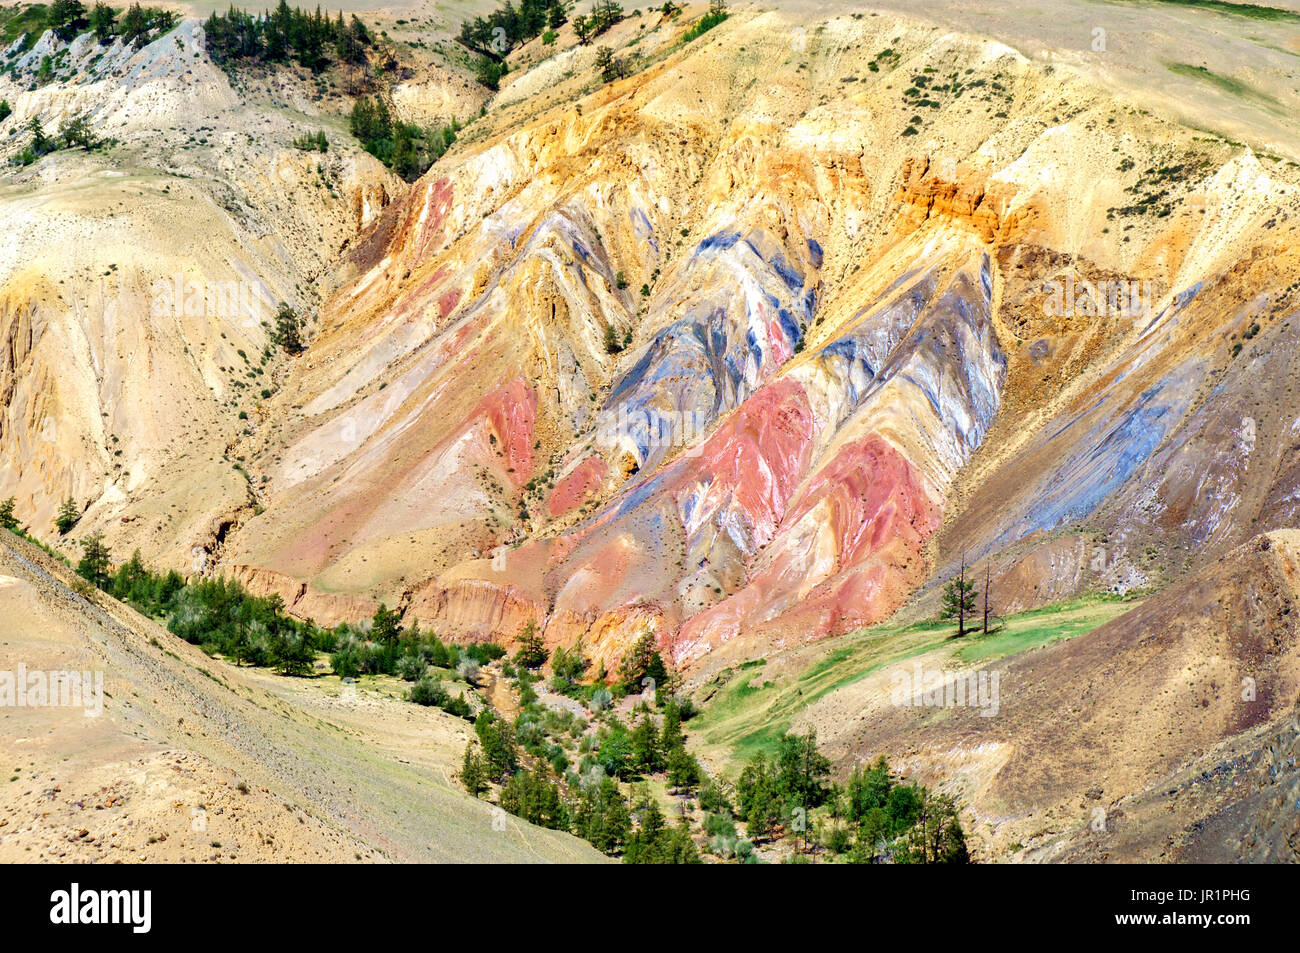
(645, 746)
(609, 66)
(94, 565)
(66, 18)
(959, 600)
(7, 518)
(294, 652)
(103, 19)
(500, 755)
(532, 653)
(41, 143)
(76, 132)
(68, 516)
(135, 25)
(683, 770)
(671, 737)
(288, 330)
(386, 627)
(802, 770)
(604, 14)
(642, 666)
(612, 343)
(471, 770)
(602, 817)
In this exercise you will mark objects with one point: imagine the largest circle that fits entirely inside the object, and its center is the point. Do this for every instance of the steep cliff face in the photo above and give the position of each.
(753, 344)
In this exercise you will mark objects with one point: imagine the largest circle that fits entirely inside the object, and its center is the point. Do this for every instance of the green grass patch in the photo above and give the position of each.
(1225, 84)
(751, 710)
(1253, 11)
(1039, 627)
(705, 24)
(27, 21)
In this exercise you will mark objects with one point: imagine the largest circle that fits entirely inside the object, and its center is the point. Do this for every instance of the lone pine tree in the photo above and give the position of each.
(959, 600)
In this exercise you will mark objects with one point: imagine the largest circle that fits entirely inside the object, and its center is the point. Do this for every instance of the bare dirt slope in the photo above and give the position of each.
(194, 760)
(1167, 733)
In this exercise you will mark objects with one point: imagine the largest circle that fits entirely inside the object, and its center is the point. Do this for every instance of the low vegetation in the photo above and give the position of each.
(746, 711)
(406, 148)
(312, 142)
(717, 13)
(615, 772)
(612, 769)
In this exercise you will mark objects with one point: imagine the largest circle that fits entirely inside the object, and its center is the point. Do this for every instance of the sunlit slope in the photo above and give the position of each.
(139, 282)
(193, 759)
(1159, 730)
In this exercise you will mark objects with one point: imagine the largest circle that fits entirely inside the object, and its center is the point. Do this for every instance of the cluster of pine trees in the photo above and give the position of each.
(592, 806)
(404, 147)
(554, 771)
(74, 133)
(492, 37)
(222, 617)
(782, 792)
(903, 822)
(873, 819)
(389, 648)
(604, 14)
(285, 35)
(509, 26)
(218, 615)
(70, 18)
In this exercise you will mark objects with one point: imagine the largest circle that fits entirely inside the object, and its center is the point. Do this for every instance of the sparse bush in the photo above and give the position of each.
(411, 668)
(468, 670)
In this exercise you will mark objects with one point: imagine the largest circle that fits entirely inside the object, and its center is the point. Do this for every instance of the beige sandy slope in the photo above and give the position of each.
(193, 760)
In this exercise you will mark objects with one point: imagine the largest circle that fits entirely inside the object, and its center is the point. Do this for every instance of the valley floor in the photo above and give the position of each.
(194, 759)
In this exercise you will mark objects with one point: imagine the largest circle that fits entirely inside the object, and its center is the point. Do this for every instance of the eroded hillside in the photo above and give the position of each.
(139, 282)
(755, 342)
(752, 345)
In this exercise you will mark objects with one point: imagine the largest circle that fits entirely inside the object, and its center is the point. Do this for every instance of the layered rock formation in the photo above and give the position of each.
(755, 345)
(756, 358)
